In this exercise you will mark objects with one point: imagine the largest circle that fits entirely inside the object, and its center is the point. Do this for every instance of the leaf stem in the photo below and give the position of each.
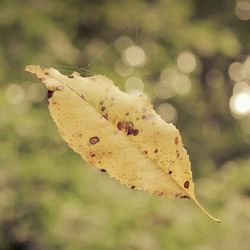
(205, 211)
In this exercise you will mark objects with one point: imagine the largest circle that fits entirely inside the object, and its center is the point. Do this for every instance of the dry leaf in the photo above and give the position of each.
(119, 133)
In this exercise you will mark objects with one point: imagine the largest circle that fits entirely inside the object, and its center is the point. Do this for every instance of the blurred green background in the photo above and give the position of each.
(191, 58)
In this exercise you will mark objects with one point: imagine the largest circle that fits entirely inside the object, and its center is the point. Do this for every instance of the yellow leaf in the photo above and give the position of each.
(119, 133)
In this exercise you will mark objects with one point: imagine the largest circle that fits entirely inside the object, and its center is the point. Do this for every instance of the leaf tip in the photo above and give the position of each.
(33, 68)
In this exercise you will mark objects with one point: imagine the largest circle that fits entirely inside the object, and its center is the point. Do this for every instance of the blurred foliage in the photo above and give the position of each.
(49, 198)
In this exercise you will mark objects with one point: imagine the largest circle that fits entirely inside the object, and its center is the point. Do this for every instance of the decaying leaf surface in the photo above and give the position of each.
(119, 133)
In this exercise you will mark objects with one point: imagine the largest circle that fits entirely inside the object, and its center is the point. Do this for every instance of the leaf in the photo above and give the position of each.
(119, 134)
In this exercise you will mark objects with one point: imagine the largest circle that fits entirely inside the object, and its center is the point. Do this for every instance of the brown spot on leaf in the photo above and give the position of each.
(129, 125)
(133, 187)
(93, 140)
(136, 131)
(102, 170)
(186, 184)
(92, 154)
(156, 150)
(106, 116)
(176, 140)
(130, 131)
(184, 196)
(170, 172)
(177, 153)
(50, 93)
(120, 125)
(60, 88)
(103, 108)
(146, 152)
(127, 113)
